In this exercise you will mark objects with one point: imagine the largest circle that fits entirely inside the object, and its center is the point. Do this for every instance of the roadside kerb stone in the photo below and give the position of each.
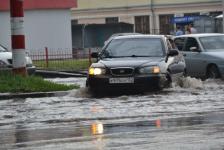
(6, 96)
(58, 74)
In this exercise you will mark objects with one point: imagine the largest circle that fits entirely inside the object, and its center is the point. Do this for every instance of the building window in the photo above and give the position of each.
(142, 24)
(112, 20)
(192, 14)
(166, 26)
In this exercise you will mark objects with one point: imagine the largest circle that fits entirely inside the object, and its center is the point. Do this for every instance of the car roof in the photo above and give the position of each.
(139, 36)
(200, 35)
(119, 34)
(123, 34)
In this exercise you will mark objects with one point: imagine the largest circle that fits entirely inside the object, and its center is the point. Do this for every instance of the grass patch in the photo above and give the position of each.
(63, 65)
(10, 83)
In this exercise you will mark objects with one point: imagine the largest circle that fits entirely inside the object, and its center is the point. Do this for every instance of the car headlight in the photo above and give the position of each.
(96, 71)
(151, 69)
(2, 64)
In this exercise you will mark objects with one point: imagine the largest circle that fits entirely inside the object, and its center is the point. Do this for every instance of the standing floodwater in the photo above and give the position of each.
(187, 116)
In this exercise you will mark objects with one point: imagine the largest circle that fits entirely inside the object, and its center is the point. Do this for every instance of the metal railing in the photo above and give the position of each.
(61, 60)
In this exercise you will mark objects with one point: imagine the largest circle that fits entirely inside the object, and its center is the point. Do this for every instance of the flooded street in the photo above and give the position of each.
(188, 116)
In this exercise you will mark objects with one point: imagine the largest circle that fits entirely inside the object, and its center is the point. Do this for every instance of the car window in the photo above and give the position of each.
(191, 42)
(2, 49)
(212, 42)
(127, 47)
(170, 44)
(179, 42)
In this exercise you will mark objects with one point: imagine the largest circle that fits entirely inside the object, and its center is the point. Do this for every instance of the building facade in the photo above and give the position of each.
(147, 16)
(47, 23)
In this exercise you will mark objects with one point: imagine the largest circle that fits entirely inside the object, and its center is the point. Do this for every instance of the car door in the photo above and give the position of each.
(195, 64)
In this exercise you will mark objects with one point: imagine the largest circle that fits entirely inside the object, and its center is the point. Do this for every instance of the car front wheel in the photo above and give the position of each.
(213, 72)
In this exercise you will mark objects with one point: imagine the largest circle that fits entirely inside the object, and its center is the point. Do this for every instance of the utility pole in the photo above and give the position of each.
(18, 37)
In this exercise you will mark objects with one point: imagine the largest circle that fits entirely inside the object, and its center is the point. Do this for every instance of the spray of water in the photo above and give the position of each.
(80, 93)
(189, 82)
(184, 83)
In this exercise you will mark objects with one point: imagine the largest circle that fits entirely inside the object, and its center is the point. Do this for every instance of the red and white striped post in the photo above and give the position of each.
(18, 37)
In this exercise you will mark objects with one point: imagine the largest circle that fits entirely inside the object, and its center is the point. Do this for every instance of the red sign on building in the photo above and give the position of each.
(41, 4)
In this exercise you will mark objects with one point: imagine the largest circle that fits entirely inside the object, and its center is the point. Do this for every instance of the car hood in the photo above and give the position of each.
(4, 56)
(130, 62)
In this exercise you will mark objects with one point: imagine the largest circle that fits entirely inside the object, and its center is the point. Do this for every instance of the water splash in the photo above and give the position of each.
(124, 97)
(80, 93)
(189, 82)
(69, 81)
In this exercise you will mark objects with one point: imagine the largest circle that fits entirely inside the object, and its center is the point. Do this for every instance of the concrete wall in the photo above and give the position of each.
(5, 33)
(92, 21)
(95, 4)
(127, 19)
(43, 28)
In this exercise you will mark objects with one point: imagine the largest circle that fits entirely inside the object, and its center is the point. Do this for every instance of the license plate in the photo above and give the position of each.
(121, 80)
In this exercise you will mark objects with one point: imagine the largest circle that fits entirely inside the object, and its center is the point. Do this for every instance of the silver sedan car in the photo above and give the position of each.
(204, 54)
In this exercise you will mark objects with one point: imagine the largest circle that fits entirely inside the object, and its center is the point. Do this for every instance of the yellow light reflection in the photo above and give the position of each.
(96, 109)
(97, 128)
(158, 123)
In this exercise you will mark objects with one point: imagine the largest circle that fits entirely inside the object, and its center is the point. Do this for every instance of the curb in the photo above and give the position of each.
(56, 74)
(6, 96)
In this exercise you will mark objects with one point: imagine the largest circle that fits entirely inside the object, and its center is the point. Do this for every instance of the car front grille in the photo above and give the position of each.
(122, 71)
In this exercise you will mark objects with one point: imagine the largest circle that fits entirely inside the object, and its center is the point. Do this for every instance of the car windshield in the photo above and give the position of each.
(212, 42)
(134, 47)
(2, 49)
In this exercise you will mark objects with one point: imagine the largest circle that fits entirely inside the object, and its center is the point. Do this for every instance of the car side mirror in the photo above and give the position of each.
(194, 49)
(173, 52)
(94, 55)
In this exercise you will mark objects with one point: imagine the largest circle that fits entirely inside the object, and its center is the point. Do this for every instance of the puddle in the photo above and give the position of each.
(185, 104)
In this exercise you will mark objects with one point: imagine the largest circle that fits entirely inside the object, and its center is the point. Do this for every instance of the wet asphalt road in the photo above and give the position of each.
(188, 116)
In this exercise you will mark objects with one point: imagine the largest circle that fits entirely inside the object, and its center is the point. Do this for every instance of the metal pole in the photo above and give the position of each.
(18, 37)
(46, 57)
(90, 58)
(153, 17)
(83, 36)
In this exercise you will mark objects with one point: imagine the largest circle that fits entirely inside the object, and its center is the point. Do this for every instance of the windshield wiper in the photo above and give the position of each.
(110, 56)
(139, 56)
